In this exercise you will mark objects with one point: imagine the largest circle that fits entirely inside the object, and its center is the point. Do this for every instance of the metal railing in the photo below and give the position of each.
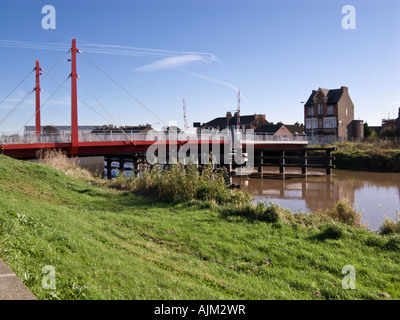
(31, 138)
(269, 137)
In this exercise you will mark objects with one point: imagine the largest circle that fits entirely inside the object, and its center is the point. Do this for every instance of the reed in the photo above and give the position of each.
(59, 160)
(182, 184)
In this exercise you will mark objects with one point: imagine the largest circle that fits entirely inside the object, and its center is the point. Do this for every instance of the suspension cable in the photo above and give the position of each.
(92, 94)
(17, 86)
(8, 115)
(121, 87)
(83, 101)
(59, 111)
(40, 107)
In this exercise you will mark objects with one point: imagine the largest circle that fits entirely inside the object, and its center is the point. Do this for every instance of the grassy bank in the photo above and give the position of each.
(106, 243)
(377, 156)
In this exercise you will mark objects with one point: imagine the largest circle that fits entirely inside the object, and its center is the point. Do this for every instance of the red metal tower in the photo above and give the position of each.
(74, 100)
(37, 89)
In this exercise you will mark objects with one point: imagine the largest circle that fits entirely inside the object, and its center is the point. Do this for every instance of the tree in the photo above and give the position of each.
(388, 132)
(50, 130)
(367, 130)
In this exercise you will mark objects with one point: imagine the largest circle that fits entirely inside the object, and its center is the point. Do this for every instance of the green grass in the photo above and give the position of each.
(380, 156)
(109, 244)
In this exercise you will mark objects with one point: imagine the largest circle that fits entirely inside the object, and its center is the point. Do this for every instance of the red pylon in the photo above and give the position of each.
(74, 100)
(37, 89)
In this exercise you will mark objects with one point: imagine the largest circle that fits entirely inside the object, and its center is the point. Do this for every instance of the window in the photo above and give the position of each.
(310, 111)
(330, 110)
(320, 123)
(330, 122)
(320, 108)
(340, 123)
(312, 123)
(347, 112)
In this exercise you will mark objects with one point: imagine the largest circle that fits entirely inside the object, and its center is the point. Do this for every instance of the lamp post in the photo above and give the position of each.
(312, 122)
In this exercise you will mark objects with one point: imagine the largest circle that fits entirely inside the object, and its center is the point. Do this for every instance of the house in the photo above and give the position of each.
(127, 129)
(59, 130)
(331, 112)
(296, 129)
(246, 122)
(356, 129)
(389, 127)
(398, 124)
(86, 130)
(389, 123)
(280, 129)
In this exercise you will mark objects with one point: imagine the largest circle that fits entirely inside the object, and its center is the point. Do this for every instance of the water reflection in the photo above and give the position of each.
(375, 194)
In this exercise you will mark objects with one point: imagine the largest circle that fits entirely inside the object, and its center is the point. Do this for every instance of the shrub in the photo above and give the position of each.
(270, 213)
(60, 161)
(343, 212)
(390, 227)
(330, 231)
(393, 244)
(183, 184)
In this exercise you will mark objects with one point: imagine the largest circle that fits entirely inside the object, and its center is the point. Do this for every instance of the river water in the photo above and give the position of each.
(376, 195)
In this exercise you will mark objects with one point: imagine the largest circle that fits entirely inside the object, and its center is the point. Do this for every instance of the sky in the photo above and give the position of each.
(140, 59)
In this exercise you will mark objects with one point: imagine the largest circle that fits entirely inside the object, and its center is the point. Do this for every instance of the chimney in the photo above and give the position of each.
(260, 117)
(345, 89)
(229, 115)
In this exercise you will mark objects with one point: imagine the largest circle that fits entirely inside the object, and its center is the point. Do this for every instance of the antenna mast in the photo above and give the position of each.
(238, 109)
(184, 115)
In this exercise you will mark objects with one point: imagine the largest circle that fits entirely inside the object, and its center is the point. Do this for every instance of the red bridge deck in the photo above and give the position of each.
(29, 151)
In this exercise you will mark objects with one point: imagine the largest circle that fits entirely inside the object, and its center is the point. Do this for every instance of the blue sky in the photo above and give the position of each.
(274, 52)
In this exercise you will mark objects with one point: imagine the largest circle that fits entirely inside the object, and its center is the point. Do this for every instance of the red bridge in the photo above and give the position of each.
(76, 144)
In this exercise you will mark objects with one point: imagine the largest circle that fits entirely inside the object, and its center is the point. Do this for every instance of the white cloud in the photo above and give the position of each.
(224, 83)
(173, 62)
(390, 104)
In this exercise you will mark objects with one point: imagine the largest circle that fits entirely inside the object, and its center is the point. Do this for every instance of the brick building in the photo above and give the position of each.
(331, 112)
(281, 129)
(246, 122)
(398, 124)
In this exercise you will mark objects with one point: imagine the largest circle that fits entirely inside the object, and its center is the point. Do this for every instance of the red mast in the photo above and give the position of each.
(74, 100)
(37, 89)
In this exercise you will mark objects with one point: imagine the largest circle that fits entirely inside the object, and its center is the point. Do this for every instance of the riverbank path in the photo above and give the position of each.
(11, 288)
